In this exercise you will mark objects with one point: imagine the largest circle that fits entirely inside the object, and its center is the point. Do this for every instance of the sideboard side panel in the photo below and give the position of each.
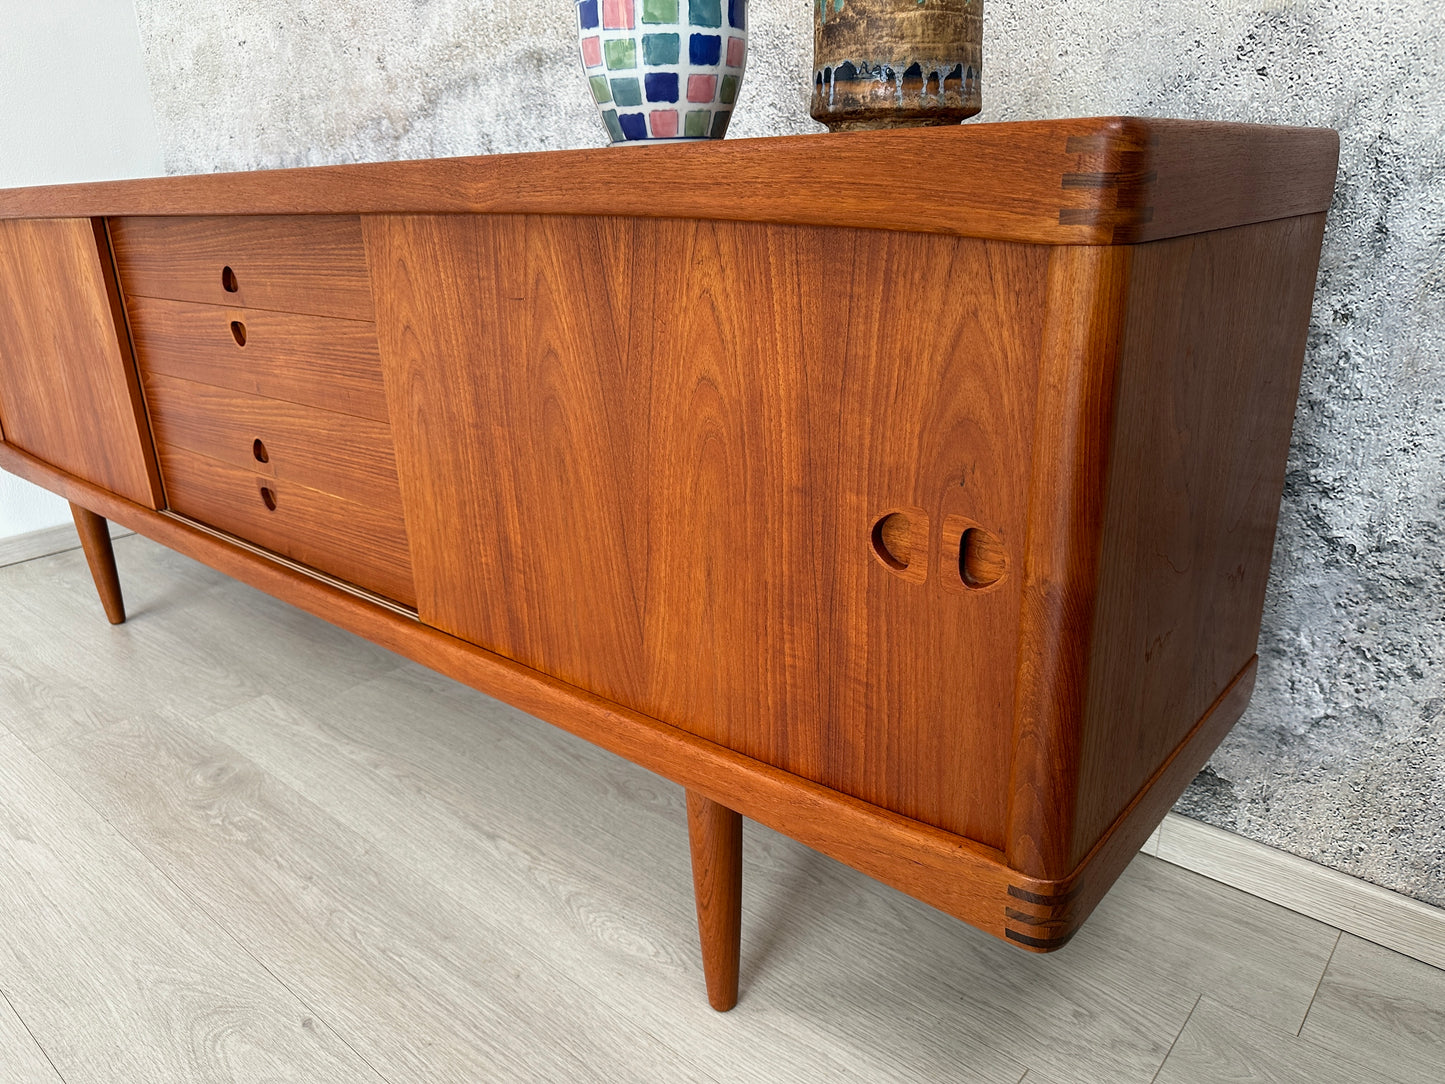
(1071, 443)
(1213, 345)
(644, 457)
(69, 393)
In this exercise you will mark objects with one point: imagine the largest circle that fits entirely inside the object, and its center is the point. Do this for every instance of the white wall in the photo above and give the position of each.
(74, 106)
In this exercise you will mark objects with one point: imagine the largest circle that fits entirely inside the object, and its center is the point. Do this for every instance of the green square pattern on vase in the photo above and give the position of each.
(704, 12)
(659, 50)
(621, 53)
(698, 122)
(627, 91)
(662, 70)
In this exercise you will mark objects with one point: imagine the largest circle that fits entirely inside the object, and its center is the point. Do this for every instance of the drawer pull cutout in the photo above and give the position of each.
(228, 280)
(259, 451)
(973, 557)
(238, 332)
(268, 498)
(980, 558)
(900, 542)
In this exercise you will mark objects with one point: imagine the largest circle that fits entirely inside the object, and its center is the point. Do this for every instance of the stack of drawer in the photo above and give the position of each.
(256, 342)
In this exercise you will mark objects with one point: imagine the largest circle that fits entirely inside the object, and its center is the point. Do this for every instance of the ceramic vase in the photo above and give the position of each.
(896, 63)
(664, 70)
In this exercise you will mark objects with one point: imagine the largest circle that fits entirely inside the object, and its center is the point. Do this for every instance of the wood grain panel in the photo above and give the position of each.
(313, 264)
(68, 389)
(359, 543)
(677, 437)
(317, 361)
(348, 457)
(1208, 377)
(1096, 180)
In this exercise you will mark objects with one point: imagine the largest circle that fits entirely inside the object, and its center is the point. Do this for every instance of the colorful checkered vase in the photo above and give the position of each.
(664, 70)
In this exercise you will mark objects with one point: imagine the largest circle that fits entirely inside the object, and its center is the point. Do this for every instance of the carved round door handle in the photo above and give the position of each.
(974, 558)
(899, 539)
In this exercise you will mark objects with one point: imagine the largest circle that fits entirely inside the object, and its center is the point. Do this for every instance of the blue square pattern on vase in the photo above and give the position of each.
(634, 125)
(661, 86)
(704, 49)
(647, 88)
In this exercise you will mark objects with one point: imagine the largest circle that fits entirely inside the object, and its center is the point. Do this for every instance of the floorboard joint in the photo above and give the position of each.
(1300, 1030)
(38, 1045)
(1175, 1043)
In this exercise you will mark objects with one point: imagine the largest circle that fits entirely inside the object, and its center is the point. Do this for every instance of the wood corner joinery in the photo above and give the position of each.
(1042, 915)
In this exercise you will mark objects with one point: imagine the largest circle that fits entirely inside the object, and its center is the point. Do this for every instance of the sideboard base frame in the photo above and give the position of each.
(946, 871)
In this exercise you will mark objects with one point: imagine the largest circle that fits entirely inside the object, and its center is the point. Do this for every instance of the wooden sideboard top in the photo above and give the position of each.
(1089, 181)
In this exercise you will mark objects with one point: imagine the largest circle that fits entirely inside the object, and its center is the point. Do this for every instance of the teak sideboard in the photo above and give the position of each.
(911, 492)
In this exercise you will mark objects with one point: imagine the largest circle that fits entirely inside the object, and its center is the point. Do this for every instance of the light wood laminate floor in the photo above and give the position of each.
(239, 844)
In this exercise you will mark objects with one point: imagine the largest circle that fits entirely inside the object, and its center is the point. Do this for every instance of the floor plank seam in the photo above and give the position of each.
(1339, 936)
(1382, 916)
(47, 542)
(38, 1045)
(1175, 1043)
(202, 910)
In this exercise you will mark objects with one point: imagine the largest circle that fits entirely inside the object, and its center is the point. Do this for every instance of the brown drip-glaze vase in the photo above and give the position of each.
(896, 63)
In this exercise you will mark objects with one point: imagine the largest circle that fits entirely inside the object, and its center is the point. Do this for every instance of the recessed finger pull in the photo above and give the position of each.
(268, 498)
(258, 449)
(238, 332)
(980, 558)
(899, 539)
(974, 557)
(228, 280)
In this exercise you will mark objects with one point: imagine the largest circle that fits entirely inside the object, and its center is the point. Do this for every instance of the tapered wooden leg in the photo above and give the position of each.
(95, 539)
(716, 835)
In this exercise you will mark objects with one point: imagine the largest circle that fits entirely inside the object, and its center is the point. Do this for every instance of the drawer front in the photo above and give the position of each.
(351, 540)
(348, 457)
(316, 361)
(305, 264)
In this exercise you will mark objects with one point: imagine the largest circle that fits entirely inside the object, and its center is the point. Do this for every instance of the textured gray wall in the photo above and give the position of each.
(1341, 757)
